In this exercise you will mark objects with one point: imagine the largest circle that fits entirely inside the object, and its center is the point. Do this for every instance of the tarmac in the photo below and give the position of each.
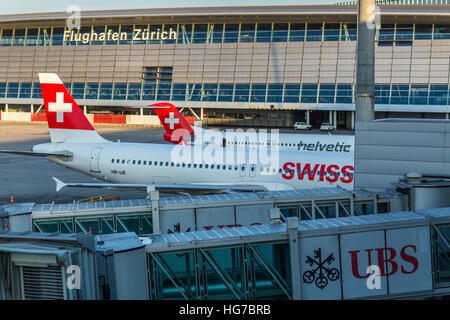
(29, 179)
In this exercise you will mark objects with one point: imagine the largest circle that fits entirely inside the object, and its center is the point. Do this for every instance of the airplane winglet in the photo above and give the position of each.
(59, 184)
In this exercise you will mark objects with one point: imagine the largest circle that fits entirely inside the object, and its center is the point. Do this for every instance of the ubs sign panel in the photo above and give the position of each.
(402, 258)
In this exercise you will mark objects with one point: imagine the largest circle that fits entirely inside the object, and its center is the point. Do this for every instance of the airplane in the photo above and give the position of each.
(178, 130)
(173, 168)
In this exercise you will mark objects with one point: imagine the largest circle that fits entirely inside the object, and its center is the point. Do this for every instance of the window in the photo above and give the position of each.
(382, 92)
(19, 37)
(258, 92)
(297, 32)
(179, 91)
(78, 90)
(438, 94)
(209, 92)
(344, 93)
(32, 37)
(399, 94)
(349, 32)
(326, 93)
(12, 90)
(194, 92)
(225, 92)
(105, 91)
(157, 73)
(120, 91)
(215, 33)
(25, 90)
(185, 33)
(168, 33)
(423, 32)
(291, 93)
(148, 90)
(275, 93)
(231, 33)
(247, 32)
(113, 29)
(58, 36)
(92, 90)
(331, 32)
(2, 89)
(200, 31)
(264, 32)
(418, 94)
(280, 32)
(95, 39)
(441, 31)
(7, 37)
(164, 88)
(241, 93)
(309, 93)
(134, 91)
(314, 32)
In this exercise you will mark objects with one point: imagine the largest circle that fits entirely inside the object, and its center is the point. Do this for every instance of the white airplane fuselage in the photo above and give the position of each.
(135, 163)
(326, 143)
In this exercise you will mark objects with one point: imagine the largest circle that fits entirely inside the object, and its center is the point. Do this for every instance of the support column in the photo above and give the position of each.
(353, 120)
(6, 107)
(142, 111)
(85, 110)
(201, 114)
(307, 116)
(32, 108)
(446, 116)
(154, 200)
(365, 61)
(330, 117)
(335, 119)
(292, 230)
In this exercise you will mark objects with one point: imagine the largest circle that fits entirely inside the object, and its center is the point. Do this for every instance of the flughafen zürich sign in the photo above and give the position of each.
(110, 35)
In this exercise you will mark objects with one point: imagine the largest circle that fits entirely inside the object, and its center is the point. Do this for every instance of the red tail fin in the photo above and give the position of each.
(175, 125)
(64, 117)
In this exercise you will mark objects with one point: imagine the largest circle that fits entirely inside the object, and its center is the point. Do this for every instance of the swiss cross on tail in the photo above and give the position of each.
(61, 109)
(171, 120)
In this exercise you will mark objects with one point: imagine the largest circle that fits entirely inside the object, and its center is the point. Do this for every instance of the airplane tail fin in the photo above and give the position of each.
(66, 121)
(176, 127)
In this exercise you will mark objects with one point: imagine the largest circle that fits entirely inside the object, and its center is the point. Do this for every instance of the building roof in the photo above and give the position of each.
(407, 13)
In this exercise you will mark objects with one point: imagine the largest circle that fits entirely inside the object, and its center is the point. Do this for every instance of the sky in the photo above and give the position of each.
(35, 6)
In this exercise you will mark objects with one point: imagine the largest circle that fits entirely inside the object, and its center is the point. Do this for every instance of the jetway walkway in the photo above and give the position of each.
(188, 213)
(317, 259)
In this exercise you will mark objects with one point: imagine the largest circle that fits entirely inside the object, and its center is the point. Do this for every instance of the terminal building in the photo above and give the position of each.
(263, 66)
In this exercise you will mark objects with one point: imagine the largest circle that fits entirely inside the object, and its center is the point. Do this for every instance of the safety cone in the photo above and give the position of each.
(12, 199)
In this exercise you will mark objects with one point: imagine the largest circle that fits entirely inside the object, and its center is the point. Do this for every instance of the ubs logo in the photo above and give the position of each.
(322, 270)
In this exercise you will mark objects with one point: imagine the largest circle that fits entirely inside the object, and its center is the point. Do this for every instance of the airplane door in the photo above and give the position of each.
(95, 157)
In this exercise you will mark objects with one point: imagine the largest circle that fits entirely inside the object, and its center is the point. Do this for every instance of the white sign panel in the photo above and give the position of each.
(215, 218)
(358, 252)
(251, 215)
(320, 268)
(408, 260)
(177, 220)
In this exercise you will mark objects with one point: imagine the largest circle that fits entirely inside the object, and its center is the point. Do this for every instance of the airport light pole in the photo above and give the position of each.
(365, 61)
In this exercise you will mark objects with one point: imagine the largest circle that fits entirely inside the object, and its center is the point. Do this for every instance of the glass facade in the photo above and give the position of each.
(390, 34)
(414, 94)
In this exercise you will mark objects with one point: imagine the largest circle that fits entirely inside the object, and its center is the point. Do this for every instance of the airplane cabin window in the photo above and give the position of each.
(183, 165)
(134, 161)
(112, 160)
(123, 161)
(145, 162)
(195, 165)
(139, 162)
(212, 166)
(178, 165)
(224, 167)
(189, 165)
(200, 165)
(206, 166)
(167, 164)
(172, 164)
(161, 163)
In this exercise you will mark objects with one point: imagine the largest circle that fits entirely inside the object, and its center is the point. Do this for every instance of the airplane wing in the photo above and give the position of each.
(39, 154)
(170, 188)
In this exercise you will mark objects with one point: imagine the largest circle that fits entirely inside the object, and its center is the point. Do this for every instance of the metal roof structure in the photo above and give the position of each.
(244, 13)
